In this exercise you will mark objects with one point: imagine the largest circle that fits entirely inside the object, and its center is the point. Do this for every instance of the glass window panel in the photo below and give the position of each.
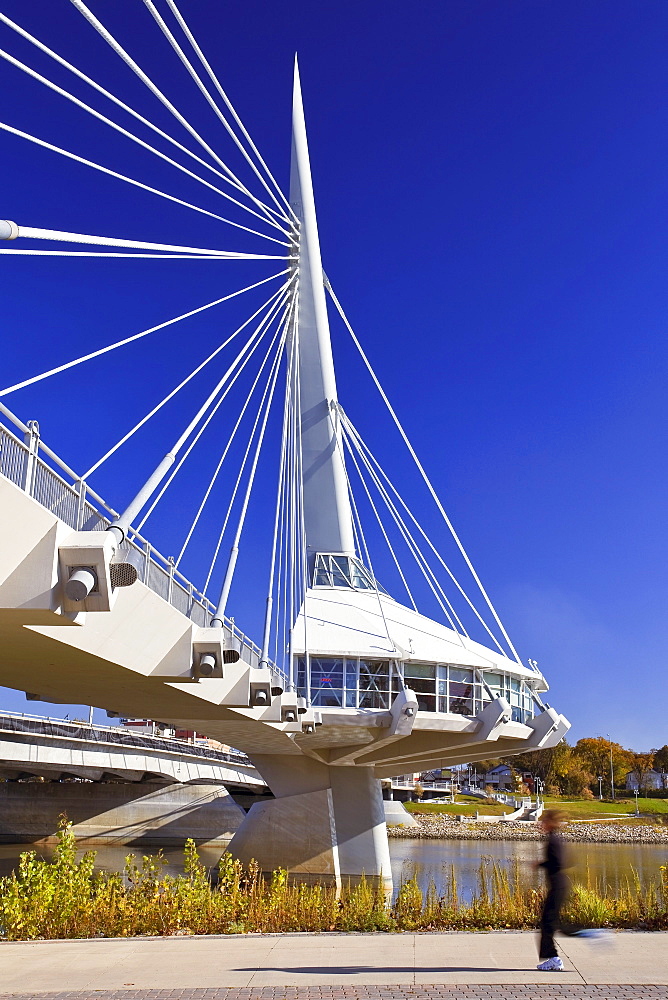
(461, 674)
(351, 699)
(326, 672)
(374, 699)
(419, 670)
(426, 702)
(339, 575)
(442, 703)
(351, 672)
(442, 687)
(514, 684)
(323, 577)
(461, 700)
(374, 675)
(327, 697)
(360, 577)
(494, 680)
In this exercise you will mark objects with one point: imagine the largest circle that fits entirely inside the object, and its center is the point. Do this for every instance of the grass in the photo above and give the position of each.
(67, 898)
(591, 809)
(463, 805)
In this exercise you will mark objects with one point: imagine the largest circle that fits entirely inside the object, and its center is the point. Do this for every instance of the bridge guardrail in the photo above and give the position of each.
(10, 723)
(80, 507)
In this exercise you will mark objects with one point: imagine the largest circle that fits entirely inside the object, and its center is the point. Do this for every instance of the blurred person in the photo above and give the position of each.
(557, 889)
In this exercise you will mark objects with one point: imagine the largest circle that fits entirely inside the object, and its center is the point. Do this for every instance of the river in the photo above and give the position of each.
(431, 860)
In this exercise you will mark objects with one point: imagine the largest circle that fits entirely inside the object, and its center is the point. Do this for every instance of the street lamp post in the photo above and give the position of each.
(600, 787)
(635, 792)
(612, 771)
(538, 784)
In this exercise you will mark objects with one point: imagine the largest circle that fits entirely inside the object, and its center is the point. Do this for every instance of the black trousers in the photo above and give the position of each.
(550, 918)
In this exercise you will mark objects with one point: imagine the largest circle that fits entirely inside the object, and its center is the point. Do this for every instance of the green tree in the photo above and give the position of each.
(661, 760)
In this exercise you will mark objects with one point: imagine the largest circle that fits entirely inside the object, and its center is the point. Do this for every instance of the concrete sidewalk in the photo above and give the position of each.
(353, 962)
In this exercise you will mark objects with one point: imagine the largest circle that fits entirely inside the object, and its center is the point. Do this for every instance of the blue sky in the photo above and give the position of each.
(491, 187)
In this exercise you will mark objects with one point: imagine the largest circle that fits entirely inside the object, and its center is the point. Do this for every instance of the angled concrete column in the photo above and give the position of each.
(325, 824)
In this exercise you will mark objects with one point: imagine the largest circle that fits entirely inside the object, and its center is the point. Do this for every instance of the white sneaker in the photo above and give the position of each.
(551, 965)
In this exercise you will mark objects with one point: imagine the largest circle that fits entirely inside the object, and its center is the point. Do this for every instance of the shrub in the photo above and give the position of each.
(67, 898)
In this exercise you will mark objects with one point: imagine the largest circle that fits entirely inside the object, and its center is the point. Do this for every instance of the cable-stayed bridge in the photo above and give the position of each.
(349, 681)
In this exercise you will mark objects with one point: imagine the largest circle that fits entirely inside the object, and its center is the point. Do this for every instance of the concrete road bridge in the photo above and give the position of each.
(118, 786)
(350, 682)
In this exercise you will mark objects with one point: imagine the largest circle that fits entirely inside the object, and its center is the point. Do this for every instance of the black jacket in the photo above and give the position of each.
(554, 862)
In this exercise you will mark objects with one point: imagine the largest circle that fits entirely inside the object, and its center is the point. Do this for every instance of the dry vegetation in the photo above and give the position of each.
(67, 898)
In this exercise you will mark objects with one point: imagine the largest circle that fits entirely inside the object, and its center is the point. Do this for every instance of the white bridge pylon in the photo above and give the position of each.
(349, 685)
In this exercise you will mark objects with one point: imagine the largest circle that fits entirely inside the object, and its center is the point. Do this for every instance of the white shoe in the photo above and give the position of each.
(551, 965)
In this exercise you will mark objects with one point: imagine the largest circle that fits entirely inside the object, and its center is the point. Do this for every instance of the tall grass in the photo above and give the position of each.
(67, 898)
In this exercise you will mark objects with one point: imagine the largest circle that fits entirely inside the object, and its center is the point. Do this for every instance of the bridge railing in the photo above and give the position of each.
(29, 464)
(17, 722)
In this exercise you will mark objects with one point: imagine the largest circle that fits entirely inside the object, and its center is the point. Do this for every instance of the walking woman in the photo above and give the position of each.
(557, 887)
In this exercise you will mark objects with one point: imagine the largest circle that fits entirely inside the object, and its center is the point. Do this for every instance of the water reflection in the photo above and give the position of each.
(608, 864)
(427, 860)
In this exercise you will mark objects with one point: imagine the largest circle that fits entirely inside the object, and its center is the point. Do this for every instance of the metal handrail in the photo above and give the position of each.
(11, 722)
(80, 490)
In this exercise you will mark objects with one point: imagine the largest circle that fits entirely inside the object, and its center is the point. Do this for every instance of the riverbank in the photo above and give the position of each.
(442, 827)
(70, 898)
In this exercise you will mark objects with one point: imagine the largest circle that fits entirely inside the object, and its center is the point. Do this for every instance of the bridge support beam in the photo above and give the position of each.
(326, 824)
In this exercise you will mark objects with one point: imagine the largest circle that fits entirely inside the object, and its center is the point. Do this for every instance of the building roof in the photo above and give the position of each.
(347, 622)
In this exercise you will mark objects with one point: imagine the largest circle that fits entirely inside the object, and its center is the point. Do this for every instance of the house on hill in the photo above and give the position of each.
(654, 781)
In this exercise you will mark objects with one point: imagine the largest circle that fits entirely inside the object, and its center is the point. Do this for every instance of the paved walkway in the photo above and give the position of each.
(494, 966)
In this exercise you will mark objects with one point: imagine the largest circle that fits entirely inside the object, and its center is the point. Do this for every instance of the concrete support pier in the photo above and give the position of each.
(325, 824)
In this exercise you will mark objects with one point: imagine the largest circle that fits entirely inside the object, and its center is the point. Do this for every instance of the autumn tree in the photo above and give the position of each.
(641, 765)
(575, 779)
(594, 754)
(545, 764)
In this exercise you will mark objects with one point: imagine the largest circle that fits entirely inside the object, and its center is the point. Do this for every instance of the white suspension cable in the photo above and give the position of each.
(228, 445)
(214, 79)
(136, 336)
(233, 373)
(130, 62)
(125, 107)
(280, 588)
(106, 170)
(367, 554)
(425, 569)
(266, 633)
(368, 458)
(31, 233)
(348, 445)
(422, 472)
(207, 96)
(234, 552)
(170, 395)
(417, 553)
(111, 253)
(243, 466)
(134, 138)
